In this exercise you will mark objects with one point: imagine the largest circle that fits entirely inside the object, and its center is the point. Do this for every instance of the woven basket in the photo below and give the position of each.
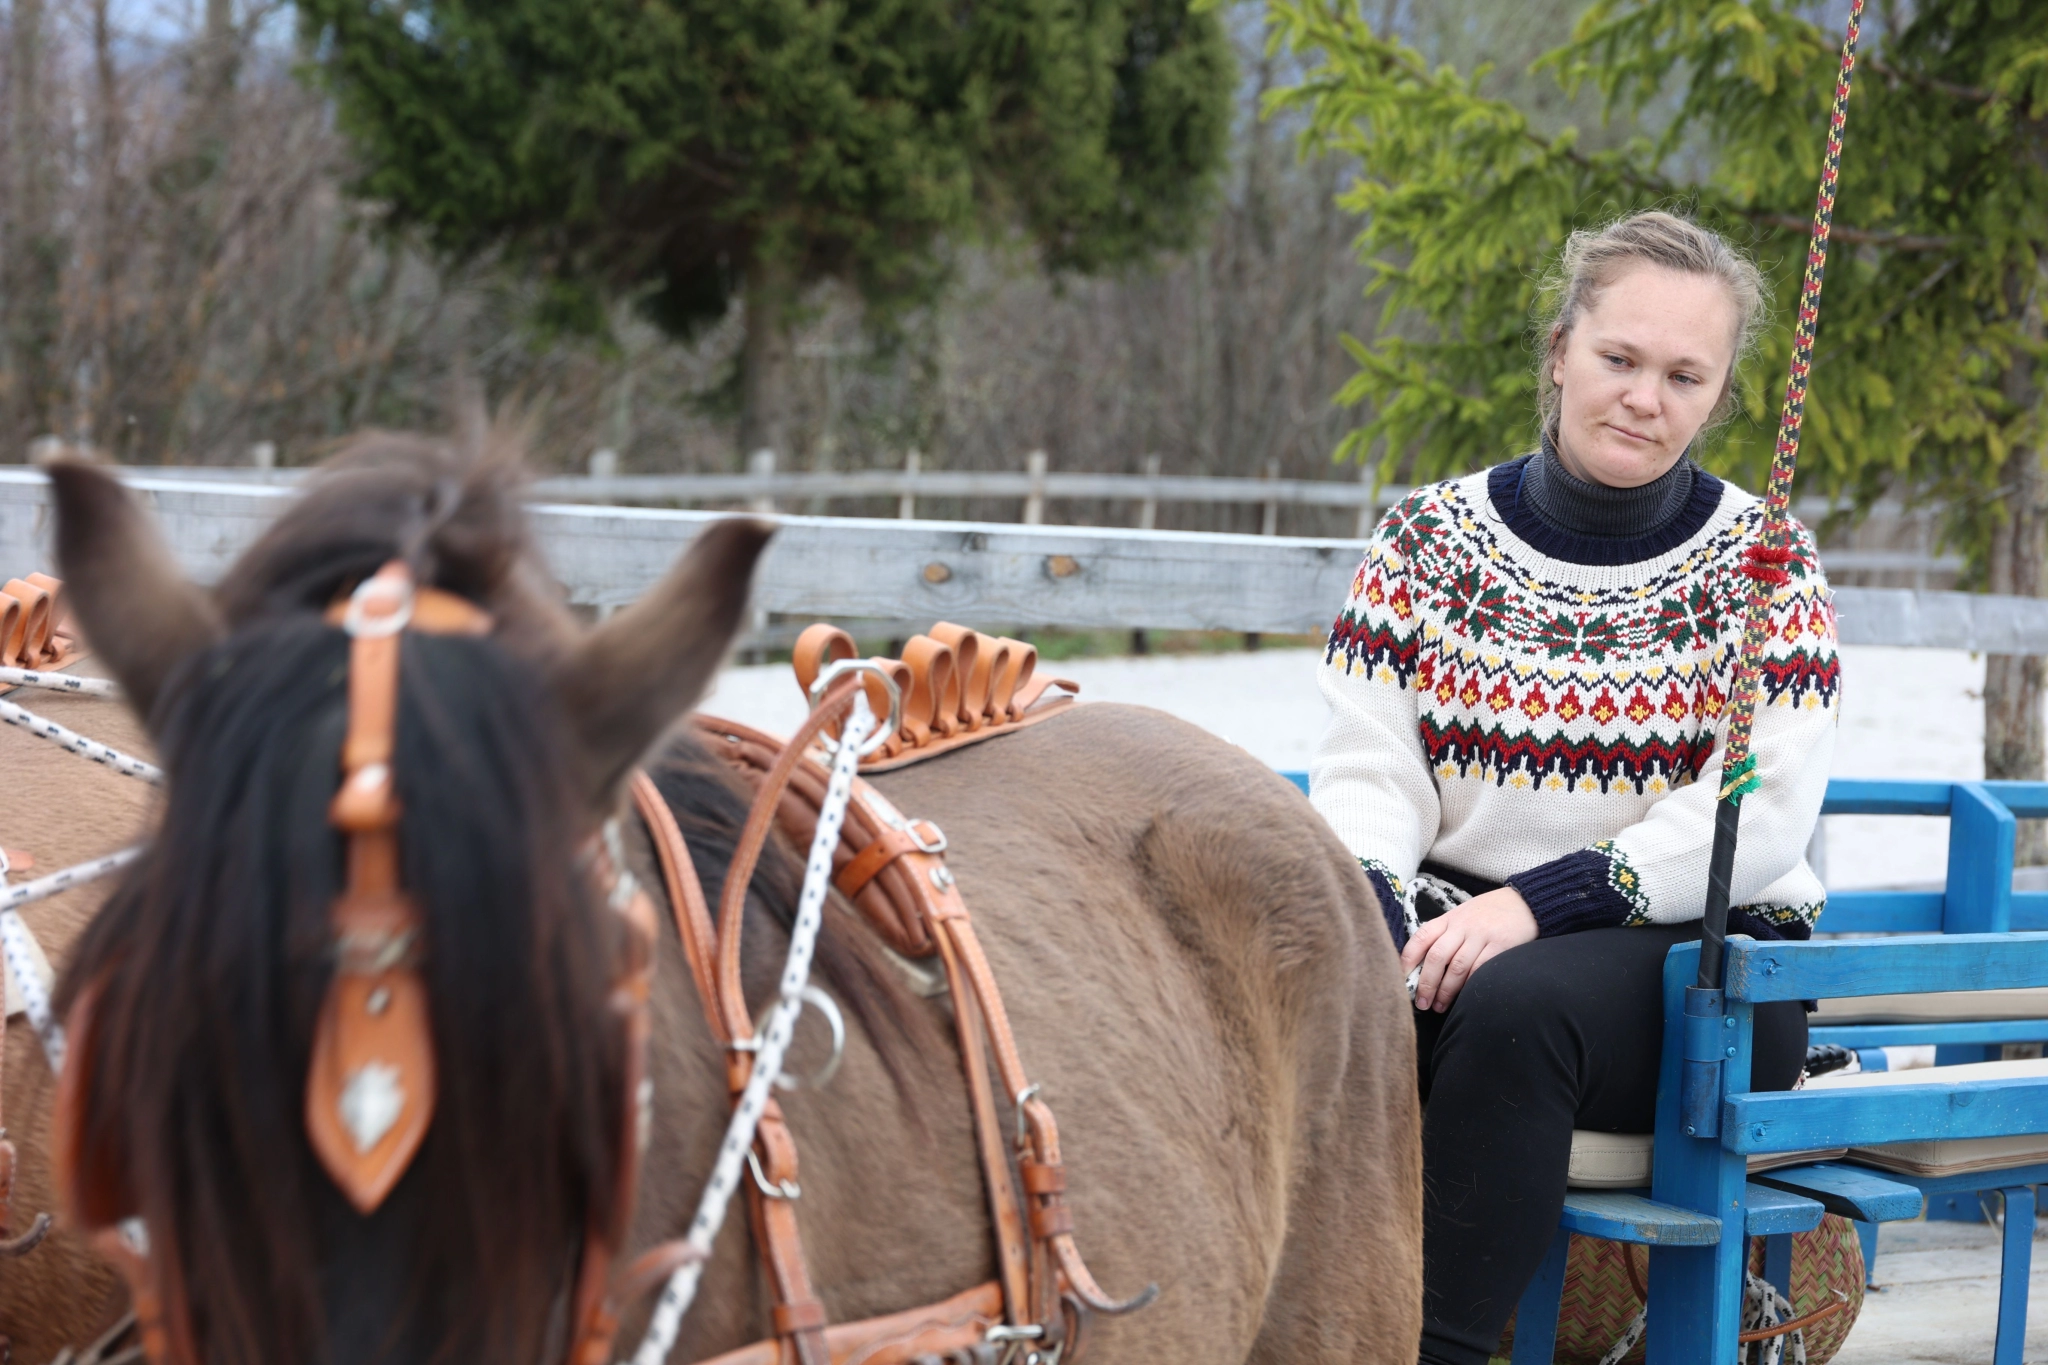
(1600, 1301)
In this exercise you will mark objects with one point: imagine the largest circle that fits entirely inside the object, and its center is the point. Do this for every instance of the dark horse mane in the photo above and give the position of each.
(209, 961)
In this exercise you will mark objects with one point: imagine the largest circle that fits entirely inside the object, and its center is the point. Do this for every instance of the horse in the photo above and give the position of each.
(1195, 969)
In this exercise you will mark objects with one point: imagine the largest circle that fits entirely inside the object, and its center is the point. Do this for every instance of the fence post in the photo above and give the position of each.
(263, 454)
(762, 465)
(1148, 510)
(604, 464)
(1269, 523)
(906, 504)
(1368, 511)
(1034, 501)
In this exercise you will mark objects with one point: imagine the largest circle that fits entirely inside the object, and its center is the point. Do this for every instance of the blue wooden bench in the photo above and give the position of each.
(1703, 1205)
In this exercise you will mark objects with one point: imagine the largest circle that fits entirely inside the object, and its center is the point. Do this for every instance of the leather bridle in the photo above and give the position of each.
(371, 1082)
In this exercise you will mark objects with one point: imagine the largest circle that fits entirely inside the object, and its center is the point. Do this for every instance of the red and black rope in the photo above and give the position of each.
(1767, 564)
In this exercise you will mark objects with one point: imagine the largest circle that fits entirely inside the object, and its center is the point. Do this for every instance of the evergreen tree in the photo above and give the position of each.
(1925, 379)
(680, 151)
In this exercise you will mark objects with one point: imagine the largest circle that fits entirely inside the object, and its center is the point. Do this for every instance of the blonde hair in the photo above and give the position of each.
(1594, 258)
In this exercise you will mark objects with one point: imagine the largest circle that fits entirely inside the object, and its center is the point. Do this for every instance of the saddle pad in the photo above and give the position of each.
(1946, 1157)
(1950, 1007)
(1621, 1161)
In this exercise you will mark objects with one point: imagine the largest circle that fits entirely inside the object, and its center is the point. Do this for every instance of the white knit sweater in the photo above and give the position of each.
(1525, 706)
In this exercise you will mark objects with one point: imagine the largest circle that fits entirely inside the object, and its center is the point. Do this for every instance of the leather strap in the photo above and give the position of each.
(685, 897)
(774, 1218)
(1035, 1247)
(370, 1086)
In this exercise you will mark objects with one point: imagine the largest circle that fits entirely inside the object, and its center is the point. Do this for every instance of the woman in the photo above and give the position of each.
(1526, 689)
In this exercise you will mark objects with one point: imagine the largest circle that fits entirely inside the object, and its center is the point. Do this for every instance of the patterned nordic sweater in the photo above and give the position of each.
(1526, 706)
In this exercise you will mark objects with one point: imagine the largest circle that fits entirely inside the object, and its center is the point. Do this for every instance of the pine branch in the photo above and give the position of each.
(1894, 75)
(1896, 241)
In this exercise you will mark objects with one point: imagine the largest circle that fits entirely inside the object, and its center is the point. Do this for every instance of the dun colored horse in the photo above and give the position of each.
(1195, 970)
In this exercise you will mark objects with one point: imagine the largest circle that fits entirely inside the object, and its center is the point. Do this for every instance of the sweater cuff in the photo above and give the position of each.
(1573, 893)
(1387, 887)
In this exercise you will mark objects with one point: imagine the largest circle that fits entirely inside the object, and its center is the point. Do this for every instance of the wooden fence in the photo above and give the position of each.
(978, 573)
(764, 488)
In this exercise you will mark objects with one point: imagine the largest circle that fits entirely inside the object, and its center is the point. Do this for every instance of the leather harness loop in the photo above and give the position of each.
(959, 687)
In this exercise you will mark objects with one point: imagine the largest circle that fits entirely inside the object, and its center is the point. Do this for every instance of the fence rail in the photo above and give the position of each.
(995, 573)
(764, 488)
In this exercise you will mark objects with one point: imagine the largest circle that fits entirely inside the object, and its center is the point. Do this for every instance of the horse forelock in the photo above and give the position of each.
(210, 964)
(450, 507)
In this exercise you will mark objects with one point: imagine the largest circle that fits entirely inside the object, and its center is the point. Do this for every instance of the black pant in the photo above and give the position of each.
(1558, 1034)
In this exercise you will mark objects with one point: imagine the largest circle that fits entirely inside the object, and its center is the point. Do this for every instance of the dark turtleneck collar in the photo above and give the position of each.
(1567, 518)
(1579, 508)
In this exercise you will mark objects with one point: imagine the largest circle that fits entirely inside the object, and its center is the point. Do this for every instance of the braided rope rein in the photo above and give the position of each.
(1765, 564)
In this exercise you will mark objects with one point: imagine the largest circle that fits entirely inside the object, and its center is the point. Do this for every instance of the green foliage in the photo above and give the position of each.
(662, 147)
(1941, 225)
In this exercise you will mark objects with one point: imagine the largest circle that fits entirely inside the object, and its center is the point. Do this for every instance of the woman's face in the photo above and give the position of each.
(1640, 373)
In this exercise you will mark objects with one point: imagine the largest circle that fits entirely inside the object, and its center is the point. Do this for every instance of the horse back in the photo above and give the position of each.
(1198, 976)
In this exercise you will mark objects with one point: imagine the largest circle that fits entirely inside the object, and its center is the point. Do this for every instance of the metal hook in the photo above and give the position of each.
(825, 1005)
(11, 1247)
(781, 1189)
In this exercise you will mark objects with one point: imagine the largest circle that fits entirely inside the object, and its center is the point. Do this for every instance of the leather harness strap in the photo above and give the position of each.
(893, 869)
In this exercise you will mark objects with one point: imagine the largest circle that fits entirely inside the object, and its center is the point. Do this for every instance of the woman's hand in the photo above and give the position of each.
(1458, 942)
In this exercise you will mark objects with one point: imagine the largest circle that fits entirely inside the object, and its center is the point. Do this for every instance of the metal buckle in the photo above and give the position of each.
(936, 844)
(883, 733)
(1024, 1096)
(782, 1189)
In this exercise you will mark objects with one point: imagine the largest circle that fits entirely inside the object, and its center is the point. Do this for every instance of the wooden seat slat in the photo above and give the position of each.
(1626, 1216)
(1849, 1191)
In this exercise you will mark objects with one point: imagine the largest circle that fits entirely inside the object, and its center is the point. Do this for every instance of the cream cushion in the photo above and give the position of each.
(1621, 1161)
(1950, 1007)
(1946, 1156)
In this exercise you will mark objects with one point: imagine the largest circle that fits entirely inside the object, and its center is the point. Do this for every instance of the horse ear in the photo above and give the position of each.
(629, 679)
(140, 613)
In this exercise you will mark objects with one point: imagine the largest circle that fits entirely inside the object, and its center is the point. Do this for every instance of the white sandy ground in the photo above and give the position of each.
(1905, 713)
(1938, 1298)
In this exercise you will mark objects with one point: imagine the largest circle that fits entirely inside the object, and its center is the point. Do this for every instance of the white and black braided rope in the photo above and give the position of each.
(79, 744)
